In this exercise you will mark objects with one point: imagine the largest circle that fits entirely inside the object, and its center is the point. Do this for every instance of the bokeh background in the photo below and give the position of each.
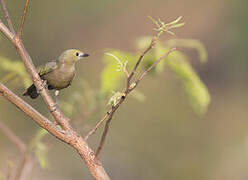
(161, 138)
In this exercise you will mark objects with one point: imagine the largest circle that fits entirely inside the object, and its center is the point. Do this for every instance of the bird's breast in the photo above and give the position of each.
(61, 77)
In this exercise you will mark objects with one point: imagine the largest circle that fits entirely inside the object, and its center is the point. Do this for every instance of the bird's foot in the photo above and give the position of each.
(43, 85)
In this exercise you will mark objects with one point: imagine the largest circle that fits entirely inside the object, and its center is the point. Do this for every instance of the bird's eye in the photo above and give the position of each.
(77, 54)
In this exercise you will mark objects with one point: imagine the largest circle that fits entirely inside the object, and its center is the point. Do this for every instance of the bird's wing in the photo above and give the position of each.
(47, 68)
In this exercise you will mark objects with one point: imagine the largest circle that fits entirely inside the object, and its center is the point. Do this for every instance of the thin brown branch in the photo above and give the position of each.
(128, 90)
(152, 44)
(152, 66)
(6, 14)
(13, 138)
(25, 10)
(93, 130)
(6, 32)
(106, 128)
(25, 168)
(129, 78)
(126, 72)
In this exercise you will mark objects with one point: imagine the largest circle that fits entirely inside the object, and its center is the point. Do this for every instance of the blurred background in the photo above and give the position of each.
(161, 138)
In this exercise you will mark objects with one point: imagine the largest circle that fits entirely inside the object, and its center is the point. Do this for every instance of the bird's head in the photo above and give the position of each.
(71, 56)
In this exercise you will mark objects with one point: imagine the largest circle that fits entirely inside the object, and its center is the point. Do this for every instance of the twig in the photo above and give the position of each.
(111, 112)
(106, 128)
(152, 44)
(26, 165)
(128, 90)
(6, 14)
(19, 33)
(151, 67)
(25, 168)
(93, 130)
(121, 65)
(13, 138)
(129, 78)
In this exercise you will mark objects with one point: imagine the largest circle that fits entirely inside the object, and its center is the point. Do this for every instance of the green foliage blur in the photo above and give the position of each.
(112, 78)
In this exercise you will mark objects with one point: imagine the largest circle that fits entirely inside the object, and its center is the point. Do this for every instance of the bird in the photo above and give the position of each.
(57, 74)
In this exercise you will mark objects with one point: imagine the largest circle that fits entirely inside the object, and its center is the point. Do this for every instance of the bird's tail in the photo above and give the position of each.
(31, 91)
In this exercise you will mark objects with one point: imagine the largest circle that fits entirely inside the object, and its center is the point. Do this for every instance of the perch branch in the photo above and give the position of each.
(30, 111)
(68, 135)
(6, 14)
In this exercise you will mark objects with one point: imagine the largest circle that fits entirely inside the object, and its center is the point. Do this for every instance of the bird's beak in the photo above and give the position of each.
(83, 55)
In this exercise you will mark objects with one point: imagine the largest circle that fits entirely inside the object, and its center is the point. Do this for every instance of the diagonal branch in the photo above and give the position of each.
(106, 128)
(128, 90)
(70, 137)
(24, 171)
(152, 44)
(25, 167)
(129, 78)
(93, 130)
(6, 14)
(13, 138)
(30, 111)
(25, 10)
(6, 31)
(151, 67)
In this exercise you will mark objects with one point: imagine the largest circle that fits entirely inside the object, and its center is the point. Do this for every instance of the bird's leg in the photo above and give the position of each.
(56, 93)
(56, 105)
(56, 96)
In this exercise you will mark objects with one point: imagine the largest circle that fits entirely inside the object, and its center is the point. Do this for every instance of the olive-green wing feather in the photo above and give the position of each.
(42, 70)
(47, 68)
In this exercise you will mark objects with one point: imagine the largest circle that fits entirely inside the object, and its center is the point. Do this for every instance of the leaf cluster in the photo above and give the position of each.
(112, 78)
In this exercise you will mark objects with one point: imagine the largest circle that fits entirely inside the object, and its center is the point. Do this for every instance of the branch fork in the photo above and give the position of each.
(68, 134)
(130, 86)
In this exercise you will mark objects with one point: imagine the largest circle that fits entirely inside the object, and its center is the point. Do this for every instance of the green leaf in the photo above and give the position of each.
(166, 27)
(197, 92)
(156, 53)
(195, 89)
(175, 21)
(190, 43)
(110, 77)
